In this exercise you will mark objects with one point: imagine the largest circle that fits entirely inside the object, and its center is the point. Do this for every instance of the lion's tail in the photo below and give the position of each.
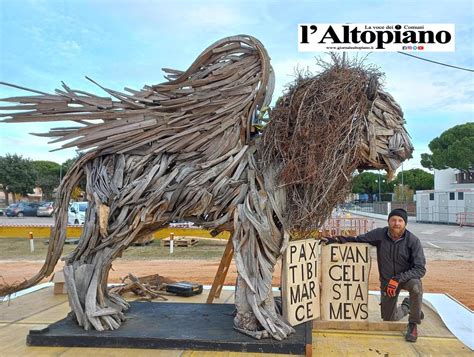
(58, 231)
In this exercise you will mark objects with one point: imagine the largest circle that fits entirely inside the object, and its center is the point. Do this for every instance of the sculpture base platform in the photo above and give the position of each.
(165, 325)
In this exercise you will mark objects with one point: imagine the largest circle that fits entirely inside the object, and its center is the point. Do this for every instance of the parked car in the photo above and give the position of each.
(351, 206)
(181, 224)
(45, 210)
(21, 209)
(76, 213)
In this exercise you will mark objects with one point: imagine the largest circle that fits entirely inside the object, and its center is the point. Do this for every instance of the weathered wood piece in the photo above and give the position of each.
(149, 287)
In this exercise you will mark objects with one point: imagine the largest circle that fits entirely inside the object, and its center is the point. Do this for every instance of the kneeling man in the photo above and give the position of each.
(401, 263)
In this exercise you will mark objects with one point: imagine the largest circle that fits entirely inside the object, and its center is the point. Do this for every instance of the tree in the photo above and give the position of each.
(367, 182)
(403, 193)
(454, 148)
(47, 176)
(416, 179)
(17, 175)
(66, 166)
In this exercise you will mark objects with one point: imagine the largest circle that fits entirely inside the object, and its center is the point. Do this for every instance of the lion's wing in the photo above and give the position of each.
(204, 111)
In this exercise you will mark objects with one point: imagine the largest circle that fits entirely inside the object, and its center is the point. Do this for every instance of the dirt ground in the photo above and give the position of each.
(454, 277)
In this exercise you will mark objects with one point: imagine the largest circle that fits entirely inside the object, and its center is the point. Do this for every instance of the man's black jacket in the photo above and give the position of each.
(403, 258)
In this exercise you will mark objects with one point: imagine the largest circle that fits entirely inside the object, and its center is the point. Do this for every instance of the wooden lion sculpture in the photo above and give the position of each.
(186, 149)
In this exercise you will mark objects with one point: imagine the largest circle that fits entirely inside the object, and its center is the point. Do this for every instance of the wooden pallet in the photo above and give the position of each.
(181, 242)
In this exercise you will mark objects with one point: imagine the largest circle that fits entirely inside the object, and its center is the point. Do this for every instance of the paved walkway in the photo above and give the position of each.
(42, 308)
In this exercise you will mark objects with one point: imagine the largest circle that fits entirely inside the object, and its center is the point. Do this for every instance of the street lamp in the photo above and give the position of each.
(403, 188)
(379, 180)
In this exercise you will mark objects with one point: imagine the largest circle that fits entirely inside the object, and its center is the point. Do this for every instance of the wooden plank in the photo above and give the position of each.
(221, 273)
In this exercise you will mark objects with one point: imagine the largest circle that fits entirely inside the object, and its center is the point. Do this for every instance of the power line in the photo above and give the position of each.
(443, 64)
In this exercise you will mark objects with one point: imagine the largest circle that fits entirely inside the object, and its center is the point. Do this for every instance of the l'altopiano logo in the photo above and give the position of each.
(376, 37)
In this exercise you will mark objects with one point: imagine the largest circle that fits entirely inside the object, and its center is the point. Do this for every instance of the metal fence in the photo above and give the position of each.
(438, 214)
(374, 207)
(442, 214)
(383, 207)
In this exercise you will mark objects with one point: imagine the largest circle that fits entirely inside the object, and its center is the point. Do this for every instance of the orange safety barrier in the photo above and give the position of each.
(346, 226)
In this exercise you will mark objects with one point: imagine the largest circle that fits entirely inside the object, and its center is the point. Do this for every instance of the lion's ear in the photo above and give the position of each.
(371, 90)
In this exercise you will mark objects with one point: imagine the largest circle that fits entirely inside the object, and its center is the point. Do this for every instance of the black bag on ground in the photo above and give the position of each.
(184, 288)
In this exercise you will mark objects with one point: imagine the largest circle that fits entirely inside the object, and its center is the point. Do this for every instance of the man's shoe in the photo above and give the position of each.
(406, 304)
(412, 332)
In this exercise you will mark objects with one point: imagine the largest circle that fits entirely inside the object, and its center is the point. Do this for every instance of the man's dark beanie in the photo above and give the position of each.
(400, 212)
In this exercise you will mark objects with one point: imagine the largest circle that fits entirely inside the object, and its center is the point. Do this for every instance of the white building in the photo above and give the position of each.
(451, 201)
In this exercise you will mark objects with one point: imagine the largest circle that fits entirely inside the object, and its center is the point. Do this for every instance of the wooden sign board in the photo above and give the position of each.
(300, 282)
(345, 281)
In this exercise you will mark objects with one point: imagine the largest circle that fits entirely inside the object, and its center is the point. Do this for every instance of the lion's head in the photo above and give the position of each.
(323, 129)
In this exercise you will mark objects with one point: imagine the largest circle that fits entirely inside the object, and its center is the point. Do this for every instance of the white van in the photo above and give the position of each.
(76, 213)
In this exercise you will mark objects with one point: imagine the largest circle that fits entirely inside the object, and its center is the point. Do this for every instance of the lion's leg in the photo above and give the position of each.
(86, 281)
(245, 320)
(86, 278)
(257, 245)
(256, 312)
(118, 213)
(111, 298)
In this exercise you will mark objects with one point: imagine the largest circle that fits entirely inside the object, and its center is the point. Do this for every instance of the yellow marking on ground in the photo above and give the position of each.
(373, 344)
(202, 233)
(227, 354)
(75, 232)
(29, 305)
(13, 343)
(48, 316)
(119, 352)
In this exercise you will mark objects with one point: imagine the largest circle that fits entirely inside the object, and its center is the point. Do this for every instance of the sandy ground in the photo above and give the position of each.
(454, 277)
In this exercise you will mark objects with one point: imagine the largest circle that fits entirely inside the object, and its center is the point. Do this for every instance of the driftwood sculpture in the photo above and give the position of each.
(186, 149)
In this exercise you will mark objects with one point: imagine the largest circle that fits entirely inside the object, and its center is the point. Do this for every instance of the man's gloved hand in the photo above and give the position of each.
(392, 287)
(330, 240)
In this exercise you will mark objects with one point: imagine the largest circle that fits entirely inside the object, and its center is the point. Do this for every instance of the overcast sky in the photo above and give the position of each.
(126, 43)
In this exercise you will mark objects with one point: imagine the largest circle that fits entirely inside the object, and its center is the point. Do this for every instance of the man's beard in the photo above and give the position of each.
(396, 232)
